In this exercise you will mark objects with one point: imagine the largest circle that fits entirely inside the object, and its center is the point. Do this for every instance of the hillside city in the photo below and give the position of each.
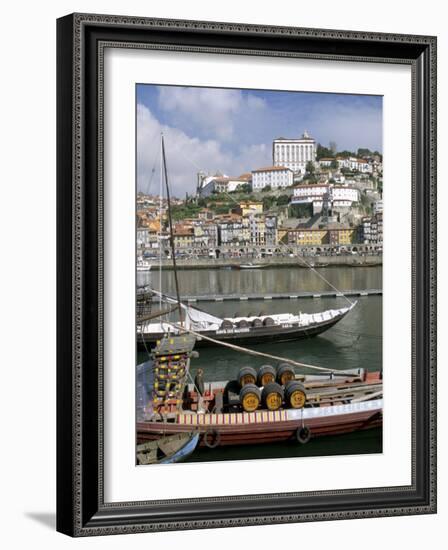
(312, 201)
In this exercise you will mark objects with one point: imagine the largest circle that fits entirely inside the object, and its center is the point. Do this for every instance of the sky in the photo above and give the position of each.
(231, 130)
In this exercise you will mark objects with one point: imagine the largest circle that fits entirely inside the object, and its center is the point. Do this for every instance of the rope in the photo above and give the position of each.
(153, 171)
(259, 353)
(313, 269)
(283, 245)
(303, 261)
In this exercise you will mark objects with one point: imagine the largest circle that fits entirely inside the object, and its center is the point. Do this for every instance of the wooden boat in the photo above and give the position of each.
(250, 266)
(242, 330)
(167, 449)
(335, 404)
(143, 265)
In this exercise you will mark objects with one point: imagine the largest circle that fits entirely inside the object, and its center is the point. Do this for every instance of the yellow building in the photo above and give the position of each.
(282, 235)
(183, 236)
(343, 236)
(257, 226)
(249, 208)
(307, 237)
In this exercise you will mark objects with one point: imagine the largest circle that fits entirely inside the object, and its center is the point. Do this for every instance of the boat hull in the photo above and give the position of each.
(184, 452)
(251, 335)
(267, 432)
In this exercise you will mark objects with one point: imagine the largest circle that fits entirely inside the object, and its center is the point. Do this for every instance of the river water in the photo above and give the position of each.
(354, 342)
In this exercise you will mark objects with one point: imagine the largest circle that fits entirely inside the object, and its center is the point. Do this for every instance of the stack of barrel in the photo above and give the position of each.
(270, 388)
(170, 369)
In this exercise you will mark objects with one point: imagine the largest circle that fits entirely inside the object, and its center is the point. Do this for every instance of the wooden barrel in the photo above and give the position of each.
(272, 396)
(285, 373)
(266, 374)
(226, 324)
(295, 394)
(247, 375)
(268, 322)
(250, 397)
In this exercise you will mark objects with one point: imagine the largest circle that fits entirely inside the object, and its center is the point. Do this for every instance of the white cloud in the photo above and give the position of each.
(210, 112)
(186, 155)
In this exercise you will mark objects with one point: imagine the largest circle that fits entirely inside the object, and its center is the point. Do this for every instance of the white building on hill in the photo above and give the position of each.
(353, 163)
(335, 196)
(208, 185)
(274, 176)
(294, 153)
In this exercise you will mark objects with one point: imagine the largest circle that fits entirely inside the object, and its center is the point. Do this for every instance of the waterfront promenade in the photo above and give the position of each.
(356, 260)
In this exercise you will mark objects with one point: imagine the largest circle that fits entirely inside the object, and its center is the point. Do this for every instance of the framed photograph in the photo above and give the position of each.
(246, 274)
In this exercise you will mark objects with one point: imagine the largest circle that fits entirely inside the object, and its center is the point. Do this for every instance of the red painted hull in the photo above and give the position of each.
(268, 432)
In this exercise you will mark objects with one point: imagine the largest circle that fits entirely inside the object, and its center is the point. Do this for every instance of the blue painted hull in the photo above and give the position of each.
(184, 452)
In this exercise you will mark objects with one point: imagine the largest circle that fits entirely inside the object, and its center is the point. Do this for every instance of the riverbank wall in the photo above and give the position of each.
(287, 262)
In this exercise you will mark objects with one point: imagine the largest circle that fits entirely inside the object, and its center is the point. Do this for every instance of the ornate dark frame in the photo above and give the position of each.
(81, 39)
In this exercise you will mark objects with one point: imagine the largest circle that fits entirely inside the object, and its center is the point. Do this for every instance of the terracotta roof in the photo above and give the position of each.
(301, 138)
(312, 185)
(245, 176)
(272, 169)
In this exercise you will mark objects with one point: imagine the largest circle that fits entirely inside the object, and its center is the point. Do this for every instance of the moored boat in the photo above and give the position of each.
(143, 265)
(250, 265)
(168, 449)
(241, 330)
(287, 407)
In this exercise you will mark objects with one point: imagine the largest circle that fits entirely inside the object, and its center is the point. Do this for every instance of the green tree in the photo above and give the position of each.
(310, 168)
(300, 211)
(346, 154)
(376, 153)
(268, 202)
(364, 152)
(282, 200)
(334, 164)
(222, 208)
(182, 211)
(323, 152)
(309, 179)
(246, 188)
(266, 188)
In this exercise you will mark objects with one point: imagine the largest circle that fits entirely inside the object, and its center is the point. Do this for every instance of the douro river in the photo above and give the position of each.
(354, 342)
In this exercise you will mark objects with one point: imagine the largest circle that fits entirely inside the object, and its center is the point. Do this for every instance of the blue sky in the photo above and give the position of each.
(232, 130)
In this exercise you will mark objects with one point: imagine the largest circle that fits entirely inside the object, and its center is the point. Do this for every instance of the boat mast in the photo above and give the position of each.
(170, 220)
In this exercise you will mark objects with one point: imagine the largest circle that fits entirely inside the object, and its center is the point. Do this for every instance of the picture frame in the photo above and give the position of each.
(81, 507)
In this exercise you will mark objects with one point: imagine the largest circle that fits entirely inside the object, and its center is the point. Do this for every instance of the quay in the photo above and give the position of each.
(281, 296)
(304, 262)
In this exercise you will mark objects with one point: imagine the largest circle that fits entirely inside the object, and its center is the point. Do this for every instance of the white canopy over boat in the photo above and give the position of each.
(198, 320)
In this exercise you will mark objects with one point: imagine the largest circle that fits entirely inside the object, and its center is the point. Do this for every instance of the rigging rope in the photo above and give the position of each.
(280, 244)
(153, 171)
(260, 353)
